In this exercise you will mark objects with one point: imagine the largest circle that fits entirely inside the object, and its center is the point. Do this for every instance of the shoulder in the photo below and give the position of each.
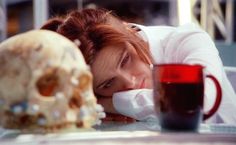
(176, 33)
(182, 29)
(188, 30)
(154, 28)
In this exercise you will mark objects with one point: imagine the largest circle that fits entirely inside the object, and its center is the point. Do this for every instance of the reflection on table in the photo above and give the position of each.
(114, 133)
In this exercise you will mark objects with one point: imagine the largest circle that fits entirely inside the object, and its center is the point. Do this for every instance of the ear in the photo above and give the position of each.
(131, 27)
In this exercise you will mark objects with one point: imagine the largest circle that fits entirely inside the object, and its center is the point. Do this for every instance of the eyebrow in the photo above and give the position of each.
(117, 65)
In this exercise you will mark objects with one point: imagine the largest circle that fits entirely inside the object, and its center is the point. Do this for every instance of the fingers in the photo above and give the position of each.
(107, 104)
(118, 118)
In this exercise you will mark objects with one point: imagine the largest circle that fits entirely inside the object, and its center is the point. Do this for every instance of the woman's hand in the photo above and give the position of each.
(107, 104)
(111, 113)
(117, 117)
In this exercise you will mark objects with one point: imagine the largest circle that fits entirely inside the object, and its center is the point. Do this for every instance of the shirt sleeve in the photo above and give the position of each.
(137, 104)
(189, 44)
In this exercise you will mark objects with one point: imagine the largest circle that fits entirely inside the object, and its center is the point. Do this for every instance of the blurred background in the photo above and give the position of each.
(217, 17)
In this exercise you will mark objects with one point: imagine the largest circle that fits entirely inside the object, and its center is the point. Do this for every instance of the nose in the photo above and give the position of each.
(128, 82)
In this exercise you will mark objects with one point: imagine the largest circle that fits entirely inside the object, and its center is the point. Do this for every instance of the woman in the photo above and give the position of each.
(120, 55)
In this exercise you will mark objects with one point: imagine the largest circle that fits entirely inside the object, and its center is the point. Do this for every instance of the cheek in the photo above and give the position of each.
(143, 70)
(140, 68)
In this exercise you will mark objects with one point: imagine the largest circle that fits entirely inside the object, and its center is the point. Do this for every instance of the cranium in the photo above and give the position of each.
(45, 83)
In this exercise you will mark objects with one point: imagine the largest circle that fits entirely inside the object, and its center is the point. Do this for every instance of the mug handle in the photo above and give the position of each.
(218, 98)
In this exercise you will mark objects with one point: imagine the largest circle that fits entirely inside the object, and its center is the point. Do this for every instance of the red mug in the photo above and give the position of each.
(179, 95)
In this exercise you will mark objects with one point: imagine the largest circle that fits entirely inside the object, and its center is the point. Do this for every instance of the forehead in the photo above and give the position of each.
(108, 53)
(106, 61)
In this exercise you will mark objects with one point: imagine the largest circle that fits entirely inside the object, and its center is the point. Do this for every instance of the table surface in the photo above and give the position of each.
(137, 133)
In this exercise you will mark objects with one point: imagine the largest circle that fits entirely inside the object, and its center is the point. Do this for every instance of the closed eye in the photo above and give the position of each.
(108, 83)
(125, 60)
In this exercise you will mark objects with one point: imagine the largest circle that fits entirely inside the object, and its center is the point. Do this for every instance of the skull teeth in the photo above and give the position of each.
(17, 110)
(2, 102)
(19, 107)
(59, 96)
(34, 109)
(56, 114)
(42, 121)
(99, 108)
(71, 116)
(101, 115)
(74, 81)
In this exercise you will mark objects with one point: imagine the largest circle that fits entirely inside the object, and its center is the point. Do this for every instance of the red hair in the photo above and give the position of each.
(95, 29)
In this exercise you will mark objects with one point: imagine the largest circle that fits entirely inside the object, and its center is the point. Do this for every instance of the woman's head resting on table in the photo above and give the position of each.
(118, 57)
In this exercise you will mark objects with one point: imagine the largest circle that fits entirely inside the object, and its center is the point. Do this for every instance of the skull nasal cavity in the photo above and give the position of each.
(47, 84)
(74, 103)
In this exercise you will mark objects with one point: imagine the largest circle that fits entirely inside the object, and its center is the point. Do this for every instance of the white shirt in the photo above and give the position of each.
(189, 44)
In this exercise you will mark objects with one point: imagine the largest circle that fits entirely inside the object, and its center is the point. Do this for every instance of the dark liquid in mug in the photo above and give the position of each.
(180, 105)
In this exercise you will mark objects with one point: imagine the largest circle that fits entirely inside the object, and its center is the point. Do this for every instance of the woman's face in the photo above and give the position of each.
(119, 68)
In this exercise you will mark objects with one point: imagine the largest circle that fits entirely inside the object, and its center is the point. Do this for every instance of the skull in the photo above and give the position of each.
(45, 83)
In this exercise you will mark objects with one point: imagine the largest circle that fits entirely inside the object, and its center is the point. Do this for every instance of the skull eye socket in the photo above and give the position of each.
(48, 83)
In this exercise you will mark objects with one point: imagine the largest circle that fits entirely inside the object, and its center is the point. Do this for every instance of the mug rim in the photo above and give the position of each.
(178, 64)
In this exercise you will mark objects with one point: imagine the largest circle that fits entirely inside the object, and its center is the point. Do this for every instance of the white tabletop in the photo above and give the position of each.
(138, 133)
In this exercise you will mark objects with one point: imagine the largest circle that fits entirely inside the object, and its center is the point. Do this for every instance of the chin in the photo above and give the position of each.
(146, 85)
(149, 85)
